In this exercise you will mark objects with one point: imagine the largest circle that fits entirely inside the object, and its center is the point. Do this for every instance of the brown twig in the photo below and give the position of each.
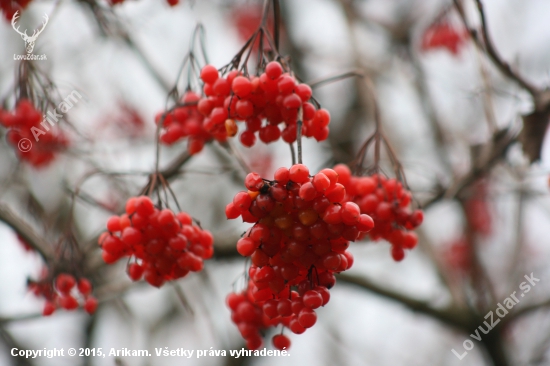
(26, 232)
(299, 133)
(541, 98)
(455, 317)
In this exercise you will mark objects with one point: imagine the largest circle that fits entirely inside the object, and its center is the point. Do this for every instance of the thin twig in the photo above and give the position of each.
(299, 133)
(488, 46)
(26, 232)
(331, 79)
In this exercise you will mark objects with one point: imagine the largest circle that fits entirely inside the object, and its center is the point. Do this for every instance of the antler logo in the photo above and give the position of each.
(29, 41)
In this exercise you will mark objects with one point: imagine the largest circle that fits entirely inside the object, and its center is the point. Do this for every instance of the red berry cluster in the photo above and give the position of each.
(302, 229)
(64, 291)
(20, 123)
(274, 96)
(247, 18)
(443, 35)
(387, 201)
(166, 246)
(458, 256)
(124, 121)
(186, 122)
(9, 7)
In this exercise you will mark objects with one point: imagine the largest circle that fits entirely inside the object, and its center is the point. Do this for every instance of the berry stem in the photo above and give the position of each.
(276, 20)
(260, 32)
(331, 79)
(182, 298)
(230, 148)
(265, 13)
(292, 153)
(167, 186)
(299, 134)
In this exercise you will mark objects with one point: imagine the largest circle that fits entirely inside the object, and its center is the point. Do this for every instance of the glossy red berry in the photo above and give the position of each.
(49, 309)
(273, 70)
(307, 317)
(209, 74)
(299, 173)
(312, 299)
(84, 286)
(281, 342)
(64, 283)
(241, 86)
(135, 271)
(253, 182)
(90, 305)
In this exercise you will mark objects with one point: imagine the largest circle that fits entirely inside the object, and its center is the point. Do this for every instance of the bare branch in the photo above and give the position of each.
(541, 98)
(26, 232)
(452, 316)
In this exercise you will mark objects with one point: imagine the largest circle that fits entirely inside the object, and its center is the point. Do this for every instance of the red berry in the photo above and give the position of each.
(270, 309)
(49, 309)
(131, 236)
(253, 182)
(336, 193)
(242, 201)
(273, 70)
(281, 342)
(241, 86)
(113, 224)
(231, 211)
(244, 108)
(312, 299)
(366, 223)
(292, 101)
(209, 74)
(344, 174)
(332, 214)
(135, 271)
(325, 294)
(90, 305)
(350, 213)
(321, 182)
(307, 318)
(153, 278)
(248, 138)
(397, 253)
(221, 87)
(166, 217)
(233, 300)
(304, 92)
(84, 286)
(68, 302)
(410, 240)
(282, 175)
(307, 192)
(131, 205)
(322, 119)
(295, 326)
(246, 246)
(144, 206)
(331, 175)
(299, 173)
(64, 283)
(286, 85)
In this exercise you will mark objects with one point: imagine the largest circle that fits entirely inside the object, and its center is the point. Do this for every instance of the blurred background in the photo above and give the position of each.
(468, 134)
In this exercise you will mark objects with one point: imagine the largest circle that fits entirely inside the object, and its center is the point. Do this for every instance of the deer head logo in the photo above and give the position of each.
(29, 41)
